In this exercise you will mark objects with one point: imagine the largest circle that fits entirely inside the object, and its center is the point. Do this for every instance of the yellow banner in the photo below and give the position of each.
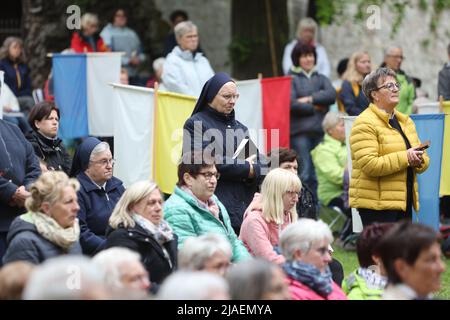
(172, 111)
(445, 166)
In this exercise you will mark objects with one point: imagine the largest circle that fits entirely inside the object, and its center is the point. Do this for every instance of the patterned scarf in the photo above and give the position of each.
(48, 228)
(310, 276)
(162, 232)
(373, 279)
(210, 205)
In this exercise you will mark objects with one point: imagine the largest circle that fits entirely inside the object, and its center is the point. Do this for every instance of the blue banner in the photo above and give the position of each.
(69, 78)
(430, 127)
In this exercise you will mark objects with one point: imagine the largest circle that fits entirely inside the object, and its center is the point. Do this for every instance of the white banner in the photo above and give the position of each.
(133, 138)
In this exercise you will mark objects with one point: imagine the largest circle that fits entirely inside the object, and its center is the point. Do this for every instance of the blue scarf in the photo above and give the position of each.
(310, 276)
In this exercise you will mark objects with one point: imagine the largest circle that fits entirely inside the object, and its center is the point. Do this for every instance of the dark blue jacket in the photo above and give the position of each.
(24, 89)
(96, 206)
(353, 105)
(234, 189)
(26, 244)
(18, 166)
(305, 119)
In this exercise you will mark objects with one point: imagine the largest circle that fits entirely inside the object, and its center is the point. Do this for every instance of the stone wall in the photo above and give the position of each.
(213, 19)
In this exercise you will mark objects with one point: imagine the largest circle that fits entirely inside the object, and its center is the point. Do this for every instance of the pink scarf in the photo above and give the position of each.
(210, 205)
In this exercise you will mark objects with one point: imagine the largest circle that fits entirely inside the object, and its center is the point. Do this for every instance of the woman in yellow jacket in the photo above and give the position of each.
(385, 155)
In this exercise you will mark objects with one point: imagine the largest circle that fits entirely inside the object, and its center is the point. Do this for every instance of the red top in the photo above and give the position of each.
(80, 44)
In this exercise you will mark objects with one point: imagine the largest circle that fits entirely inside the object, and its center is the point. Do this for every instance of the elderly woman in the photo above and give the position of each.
(369, 280)
(351, 96)
(193, 209)
(305, 245)
(411, 255)
(385, 157)
(311, 95)
(137, 223)
(50, 228)
(44, 119)
(186, 70)
(88, 39)
(209, 129)
(210, 252)
(267, 216)
(99, 193)
(257, 279)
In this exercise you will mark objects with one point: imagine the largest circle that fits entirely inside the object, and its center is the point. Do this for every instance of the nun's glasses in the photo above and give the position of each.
(228, 97)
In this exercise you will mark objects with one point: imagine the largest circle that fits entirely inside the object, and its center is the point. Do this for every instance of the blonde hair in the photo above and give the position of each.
(48, 188)
(275, 185)
(135, 193)
(351, 74)
(88, 18)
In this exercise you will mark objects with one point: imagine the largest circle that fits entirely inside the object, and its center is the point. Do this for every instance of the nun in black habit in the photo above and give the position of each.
(213, 129)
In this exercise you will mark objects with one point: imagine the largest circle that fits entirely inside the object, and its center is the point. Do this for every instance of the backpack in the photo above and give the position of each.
(306, 205)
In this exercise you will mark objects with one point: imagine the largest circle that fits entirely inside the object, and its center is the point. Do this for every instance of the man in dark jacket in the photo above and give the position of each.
(444, 79)
(99, 192)
(19, 167)
(211, 125)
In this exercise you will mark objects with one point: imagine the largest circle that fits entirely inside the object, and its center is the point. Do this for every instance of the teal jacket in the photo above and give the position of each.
(329, 158)
(406, 94)
(188, 219)
(357, 288)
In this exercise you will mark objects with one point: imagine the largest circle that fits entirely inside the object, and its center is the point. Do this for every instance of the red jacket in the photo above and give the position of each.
(301, 292)
(80, 44)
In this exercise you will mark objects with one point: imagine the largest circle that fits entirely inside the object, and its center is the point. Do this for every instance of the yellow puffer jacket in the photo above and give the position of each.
(379, 161)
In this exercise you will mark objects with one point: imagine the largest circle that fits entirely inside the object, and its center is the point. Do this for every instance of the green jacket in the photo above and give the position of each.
(329, 158)
(188, 219)
(356, 288)
(406, 95)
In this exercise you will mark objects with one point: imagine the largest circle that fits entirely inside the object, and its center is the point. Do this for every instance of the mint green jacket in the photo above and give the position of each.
(329, 158)
(406, 95)
(188, 219)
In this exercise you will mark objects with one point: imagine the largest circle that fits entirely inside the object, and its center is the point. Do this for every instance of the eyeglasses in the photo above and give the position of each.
(105, 162)
(397, 57)
(228, 97)
(208, 175)
(390, 86)
(293, 193)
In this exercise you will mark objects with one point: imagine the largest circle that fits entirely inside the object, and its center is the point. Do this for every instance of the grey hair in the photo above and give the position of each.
(331, 120)
(192, 285)
(183, 27)
(158, 63)
(101, 147)
(301, 235)
(250, 279)
(196, 251)
(307, 23)
(370, 82)
(64, 278)
(110, 262)
(88, 18)
(388, 50)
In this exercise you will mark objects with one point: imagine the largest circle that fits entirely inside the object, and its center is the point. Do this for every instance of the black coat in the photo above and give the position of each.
(51, 151)
(234, 189)
(18, 166)
(26, 244)
(152, 255)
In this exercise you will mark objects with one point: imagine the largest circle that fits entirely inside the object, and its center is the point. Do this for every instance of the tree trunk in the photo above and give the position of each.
(250, 48)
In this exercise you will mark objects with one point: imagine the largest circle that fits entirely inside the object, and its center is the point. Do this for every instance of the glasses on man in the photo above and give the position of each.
(208, 175)
(390, 86)
(229, 97)
(105, 162)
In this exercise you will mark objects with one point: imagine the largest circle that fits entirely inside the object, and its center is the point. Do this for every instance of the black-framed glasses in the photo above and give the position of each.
(105, 162)
(390, 86)
(208, 175)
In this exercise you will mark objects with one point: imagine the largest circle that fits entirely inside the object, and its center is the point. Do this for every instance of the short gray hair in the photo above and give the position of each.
(196, 251)
(192, 285)
(301, 235)
(101, 147)
(331, 120)
(370, 82)
(307, 23)
(158, 63)
(110, 261)
(89, 18)
(388, 50)
(184, 27)
(49, 281)
(250, 279)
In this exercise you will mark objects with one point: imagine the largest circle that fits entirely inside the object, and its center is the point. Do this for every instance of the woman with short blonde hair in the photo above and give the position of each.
(137, 223)
(269, 213)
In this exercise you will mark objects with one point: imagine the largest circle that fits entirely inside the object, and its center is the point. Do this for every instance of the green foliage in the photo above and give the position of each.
(241, 49)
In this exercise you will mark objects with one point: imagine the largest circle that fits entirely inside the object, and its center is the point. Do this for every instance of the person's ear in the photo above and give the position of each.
(188, 179)
(36, 124)
(45, 207)
(374, 95)
(298, 255)
(401, 268)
